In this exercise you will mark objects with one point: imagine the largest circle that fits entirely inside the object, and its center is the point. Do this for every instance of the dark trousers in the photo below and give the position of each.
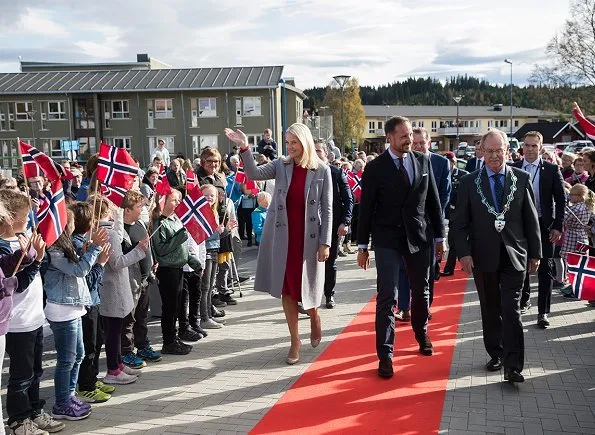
(499, 299)
(245, 223)
(93, 341)
(388, 265)
(188, 314)
(206, 285)
(25, 350)
(451, 260)
(404, 286)
(134, 327)
(170, 289)
(222, 276)
(354, 222)
(330, 266)
(545, 275)
(113, 341)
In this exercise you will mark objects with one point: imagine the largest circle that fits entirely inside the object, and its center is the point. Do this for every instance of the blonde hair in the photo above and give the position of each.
(215, 205)
(5, 216)
(587, 194)
(309, 159)
(14, 204)
(264, 198)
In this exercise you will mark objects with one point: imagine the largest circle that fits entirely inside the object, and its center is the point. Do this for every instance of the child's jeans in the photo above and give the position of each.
(68, 339)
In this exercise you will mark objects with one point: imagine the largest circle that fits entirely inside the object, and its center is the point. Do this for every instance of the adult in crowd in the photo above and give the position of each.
(567, 168)
(176, 176)
(399, 198)
(266, 185)
(358, 169)
(332, 148)
(455, 176)
(477, 162)
(297, 233)
(210, 170)
(233, 189)
(342, 209)
(76, 181)
(550, 201)
(267, 145)
(497, 237)
(247, 206)
(162, 152)
(580, 175)
(147, 187)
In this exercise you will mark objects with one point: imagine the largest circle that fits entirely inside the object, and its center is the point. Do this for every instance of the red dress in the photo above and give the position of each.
(296, 215)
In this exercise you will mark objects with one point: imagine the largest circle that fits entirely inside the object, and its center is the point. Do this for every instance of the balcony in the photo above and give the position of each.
(452, 131)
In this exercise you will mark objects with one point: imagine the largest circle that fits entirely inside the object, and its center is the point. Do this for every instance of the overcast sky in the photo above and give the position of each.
(378, 41)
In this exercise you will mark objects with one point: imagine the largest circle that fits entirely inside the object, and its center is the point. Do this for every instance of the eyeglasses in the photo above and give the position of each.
(213, 162)
(497, 152)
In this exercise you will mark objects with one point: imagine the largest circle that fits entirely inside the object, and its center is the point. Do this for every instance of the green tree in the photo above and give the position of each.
(355, 117)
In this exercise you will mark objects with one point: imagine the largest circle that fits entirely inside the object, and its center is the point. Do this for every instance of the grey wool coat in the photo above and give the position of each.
(272, 255)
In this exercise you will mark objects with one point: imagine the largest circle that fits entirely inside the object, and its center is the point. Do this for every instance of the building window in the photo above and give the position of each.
(120, 109)
(252, 106)
(169, 143)
(22, 111)
(119, 142)
(52, 147)
(202, 108)
(84, 113)
(413, 124)
(164, 109)
(3, 122)
(504, 123)
(253, 140)
(434, 126)
(516, 123)
(380, 127)
(490, 123)
(56, 110)
(9, 157)
(371, 127)
(199, 143)
(420, 124)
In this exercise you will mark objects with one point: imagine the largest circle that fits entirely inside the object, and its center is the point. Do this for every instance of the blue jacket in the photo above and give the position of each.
(64, 280)
(259, 215)
(233, 190)
(25, 276)
(213, 242)
(94, 277)
(83, 192)
(441, 169)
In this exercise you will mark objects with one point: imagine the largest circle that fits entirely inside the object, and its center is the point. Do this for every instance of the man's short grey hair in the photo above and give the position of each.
(570, 155)
(495, 132)
(234, 158)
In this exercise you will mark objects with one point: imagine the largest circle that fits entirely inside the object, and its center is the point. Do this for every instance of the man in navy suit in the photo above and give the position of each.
(441, 170)
(476, 162)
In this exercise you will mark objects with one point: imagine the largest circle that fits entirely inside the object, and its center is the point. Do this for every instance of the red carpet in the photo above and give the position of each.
(341, 393)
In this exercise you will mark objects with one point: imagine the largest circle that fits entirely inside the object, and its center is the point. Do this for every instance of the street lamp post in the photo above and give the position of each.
(510, 63)
(457, 99)
(341, 80)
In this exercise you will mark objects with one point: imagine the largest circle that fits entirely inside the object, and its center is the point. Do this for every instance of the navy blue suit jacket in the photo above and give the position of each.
(441, 170)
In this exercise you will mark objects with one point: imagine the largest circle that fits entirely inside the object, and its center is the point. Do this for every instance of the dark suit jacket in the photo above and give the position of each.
(441, 170)
(396, 215)
(471, 165)
(551, 189)
(473, 227)
(342, 198)
(455, 177)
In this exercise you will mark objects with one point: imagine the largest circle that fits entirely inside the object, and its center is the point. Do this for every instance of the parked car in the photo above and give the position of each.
(562, 145)
(514, 145)
(461, 163)
(462, 150)
(578, 145)
(470, 152)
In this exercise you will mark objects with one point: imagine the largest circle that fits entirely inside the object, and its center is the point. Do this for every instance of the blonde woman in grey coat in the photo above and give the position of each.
(297, 232)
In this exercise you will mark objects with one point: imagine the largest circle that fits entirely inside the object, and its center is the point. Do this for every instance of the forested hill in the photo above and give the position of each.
(475, 92)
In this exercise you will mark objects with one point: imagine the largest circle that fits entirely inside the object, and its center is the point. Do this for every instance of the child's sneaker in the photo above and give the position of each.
(148, 354)
(70, 411)
(132, 361)
(107, 389)
(210, 324)
(119, 379)
(46, 423)
(26, 427)
(131, 371)
(95, 396)
(78, 402)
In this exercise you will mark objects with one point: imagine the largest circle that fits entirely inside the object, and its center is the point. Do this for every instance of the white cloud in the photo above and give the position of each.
(39, 22)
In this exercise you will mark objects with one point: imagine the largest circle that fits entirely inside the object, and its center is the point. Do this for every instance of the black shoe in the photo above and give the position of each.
(542, 321)
(217, 302)
(385, 368)
(244, 278)
(228, 299)
(217, 313)
(447, 272)
(494, 364)
(425, 345)
(198, 329)
(512, 376)
(189, 335)
(176, 348)
(525, 308)
(330, 302)
(558, 285)
(249, 243)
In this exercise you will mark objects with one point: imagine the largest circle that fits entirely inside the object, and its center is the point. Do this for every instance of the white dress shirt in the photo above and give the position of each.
(533, 168)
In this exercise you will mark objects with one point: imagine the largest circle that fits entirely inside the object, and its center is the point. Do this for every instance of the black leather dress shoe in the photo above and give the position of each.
(447, 273)
(425, 345)
(512, 376)
(494, 364)
(542, 321)
(385, 368)
(330, 302)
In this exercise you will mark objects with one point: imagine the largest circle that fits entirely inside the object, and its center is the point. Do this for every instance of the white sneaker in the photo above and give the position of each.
(121, 379)
(45, 422)
(132, 372)
(26, 427)
(210, 324)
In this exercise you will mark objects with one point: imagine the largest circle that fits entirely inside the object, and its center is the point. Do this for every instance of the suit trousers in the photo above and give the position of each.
(545, 275)
(330, 266)
(404, 286)
(388, 265)
(499, 299)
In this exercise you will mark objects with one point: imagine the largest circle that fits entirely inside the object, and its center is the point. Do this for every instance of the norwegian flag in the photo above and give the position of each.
(581, 273)
(114, 193)
(587, 126)
(191, 180)
(162, 187)
(116, 167)
(354, 181)
(582, 248)
(251, 185)
(52, 170)
(52, 217)
(197, 216)
(240, 174)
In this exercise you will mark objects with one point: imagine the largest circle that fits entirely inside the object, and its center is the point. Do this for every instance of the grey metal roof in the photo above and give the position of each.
(451, 112)
(140, 80)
